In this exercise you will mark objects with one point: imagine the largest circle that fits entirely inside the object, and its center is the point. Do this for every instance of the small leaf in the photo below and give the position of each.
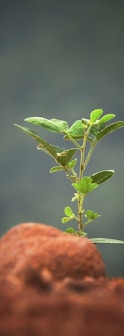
(71, 164)
(70, 230)
(85, 185)
(68, 211)
(56, 169)
(85, 122)
(95, 114)
(109, 129)
(81, 233)
(102, 176)
(91, 215)
(106, 118)
(53, 125)
(76, 130)
(66, 219)
(106, 241)
(74, 198)
(97, 128)
(65, 156)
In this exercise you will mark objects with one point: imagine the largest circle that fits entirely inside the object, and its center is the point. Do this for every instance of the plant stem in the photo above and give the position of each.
(73, 141)
(72, 178)
(80, 212)
(83, 164)
(82, 157)
(89, 154)
(82, 167)
(75, 174)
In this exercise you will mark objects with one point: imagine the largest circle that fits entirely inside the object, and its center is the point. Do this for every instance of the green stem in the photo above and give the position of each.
(81, 168)
(75, 174)
(82, 157)
(83, 164)
(80, 212)
(73, 141)
(89, 154)
(68, 174)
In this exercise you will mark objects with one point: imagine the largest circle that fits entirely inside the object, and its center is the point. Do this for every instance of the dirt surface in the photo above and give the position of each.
(42, 292)
(42, 246)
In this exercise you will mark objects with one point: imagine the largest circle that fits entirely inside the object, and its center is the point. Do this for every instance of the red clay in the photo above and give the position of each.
(39, 246)
(78, 307)
(53, 284)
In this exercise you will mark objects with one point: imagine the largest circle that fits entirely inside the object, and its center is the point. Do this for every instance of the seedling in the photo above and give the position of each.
(84, 135)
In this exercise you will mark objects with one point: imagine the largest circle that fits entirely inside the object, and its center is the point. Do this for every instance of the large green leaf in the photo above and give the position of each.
(102, 176)
(106, 241)
(109, 129)
(95, 114)
(53, 125)
(43, 144)
(76, 130)
(65, 156)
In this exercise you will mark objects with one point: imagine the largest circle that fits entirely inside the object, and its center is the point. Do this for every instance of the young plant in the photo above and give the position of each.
(84, 134)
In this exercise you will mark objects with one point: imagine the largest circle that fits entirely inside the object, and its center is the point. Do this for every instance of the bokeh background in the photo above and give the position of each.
(61, 59)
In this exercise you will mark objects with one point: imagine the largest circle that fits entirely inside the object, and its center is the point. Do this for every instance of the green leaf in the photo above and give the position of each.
(65, 156)
(44, 145)
(85, 185)
(56, 169)
(85, 122)
(109, 129)
(106, 118)
(53, 125)
(71, 164)
(97, 128)
(102, 176)
(62, 157)
(68, 211)
(76, 130)
(70, 230)
(75, 197)
(106, 241)
(81, 233)
(66, 219)
(91, 215)
(95, 114)
(44, 149)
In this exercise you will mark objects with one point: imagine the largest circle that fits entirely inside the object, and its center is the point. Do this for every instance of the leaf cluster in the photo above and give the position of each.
(80, 133)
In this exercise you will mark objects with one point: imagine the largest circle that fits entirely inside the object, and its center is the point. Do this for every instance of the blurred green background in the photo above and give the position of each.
(61, 59)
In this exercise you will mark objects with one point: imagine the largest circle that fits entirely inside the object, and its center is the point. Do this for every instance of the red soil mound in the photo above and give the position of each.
(40, 246)
(54, 284)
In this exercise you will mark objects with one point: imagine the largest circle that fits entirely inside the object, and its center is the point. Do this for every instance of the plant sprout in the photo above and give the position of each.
(84, 135)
